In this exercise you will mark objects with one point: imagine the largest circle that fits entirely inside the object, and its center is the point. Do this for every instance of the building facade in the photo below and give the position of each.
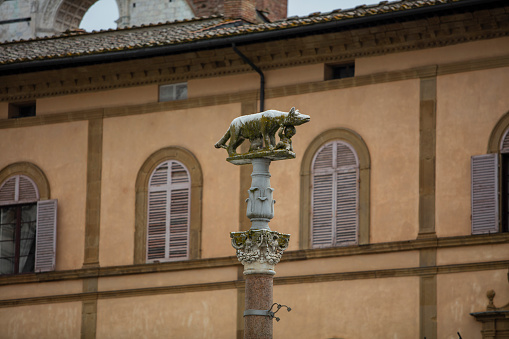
(28, 19)
(115, 207)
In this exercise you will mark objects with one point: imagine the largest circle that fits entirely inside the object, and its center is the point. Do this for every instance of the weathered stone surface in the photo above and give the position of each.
(258, 297)
(259, 250)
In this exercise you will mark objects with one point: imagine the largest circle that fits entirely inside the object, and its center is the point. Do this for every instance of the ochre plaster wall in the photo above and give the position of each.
(386, 116)
(41, 289)
(433, 56)
(355, 263)
(186, 277)
(460, 294)
(101, 99)
(471, 254)
(129, 141)
(190, 315)
(60, 151)
(468, 107)
(41, 321)
(251, 81)
(381, 308)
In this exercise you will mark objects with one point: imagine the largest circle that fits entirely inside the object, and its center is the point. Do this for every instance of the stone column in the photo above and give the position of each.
(259, 249)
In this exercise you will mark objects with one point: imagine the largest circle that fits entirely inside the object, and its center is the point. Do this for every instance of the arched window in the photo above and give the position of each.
(168, 207)
(490, 183)
(169, 197)
(335, 186)
(335, 196)
(27, 223)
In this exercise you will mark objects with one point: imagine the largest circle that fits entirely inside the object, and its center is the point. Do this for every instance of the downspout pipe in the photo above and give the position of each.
(259, 71)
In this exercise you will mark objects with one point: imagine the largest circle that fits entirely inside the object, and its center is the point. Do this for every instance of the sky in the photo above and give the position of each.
(103, 13)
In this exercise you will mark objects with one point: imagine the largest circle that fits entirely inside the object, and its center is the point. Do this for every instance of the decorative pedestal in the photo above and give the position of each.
(259, 249)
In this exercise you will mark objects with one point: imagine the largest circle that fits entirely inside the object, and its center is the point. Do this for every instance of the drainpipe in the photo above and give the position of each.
(259, 71)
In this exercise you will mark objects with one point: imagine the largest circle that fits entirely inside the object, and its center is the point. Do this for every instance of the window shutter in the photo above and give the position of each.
(156, 233)
(46, 236)
(322, 204)
(27, 190)
(485, 193)
(18, 189)
(322, 210)
(8, 191)
(179, 223)
(346, 208)
(335, 196)
(504, 145)
(347, 194)
(168, 212)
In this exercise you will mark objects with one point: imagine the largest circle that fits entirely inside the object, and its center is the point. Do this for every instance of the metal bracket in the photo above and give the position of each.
(267, 313)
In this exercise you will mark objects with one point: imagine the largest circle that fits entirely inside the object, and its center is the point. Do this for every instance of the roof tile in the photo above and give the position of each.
(171, 33)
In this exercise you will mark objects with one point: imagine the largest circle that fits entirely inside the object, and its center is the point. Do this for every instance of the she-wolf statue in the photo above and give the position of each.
(260, 129)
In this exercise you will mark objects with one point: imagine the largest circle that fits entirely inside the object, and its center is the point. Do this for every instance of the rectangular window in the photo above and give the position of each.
(22, 110)
(173, 92)
(340, 71)
(17, 238)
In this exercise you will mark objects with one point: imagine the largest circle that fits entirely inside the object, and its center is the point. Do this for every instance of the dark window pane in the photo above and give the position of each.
(17, 238)
(22, 110)
(339, 71)
(6, 265)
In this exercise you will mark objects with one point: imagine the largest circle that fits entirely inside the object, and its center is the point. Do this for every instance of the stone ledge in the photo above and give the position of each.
(398, 246)
(273, 155)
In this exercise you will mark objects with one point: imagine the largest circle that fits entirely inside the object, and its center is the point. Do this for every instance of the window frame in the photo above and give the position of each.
(192, 165)
(168, 189)
(173, 88)
(362, 152)
(17, 237)
(47, 256)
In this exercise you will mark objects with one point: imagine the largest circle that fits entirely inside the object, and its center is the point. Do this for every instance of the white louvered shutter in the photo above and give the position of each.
(334, 219)
(168, 212)
(18, 189)
(46, 236)
(485, 194)
(347, 192)
(322, 204)
(8, 191)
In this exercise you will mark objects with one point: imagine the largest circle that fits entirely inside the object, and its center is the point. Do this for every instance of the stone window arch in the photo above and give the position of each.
(353, 150)
(186, 164)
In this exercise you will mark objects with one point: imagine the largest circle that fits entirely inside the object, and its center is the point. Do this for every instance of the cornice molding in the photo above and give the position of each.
(278, 281)
(275, 92)
(326, 48)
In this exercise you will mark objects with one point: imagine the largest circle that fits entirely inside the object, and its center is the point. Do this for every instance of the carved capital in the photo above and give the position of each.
(259, 250)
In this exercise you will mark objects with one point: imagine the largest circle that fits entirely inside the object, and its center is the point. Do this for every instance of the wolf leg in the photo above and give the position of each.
(222, 142)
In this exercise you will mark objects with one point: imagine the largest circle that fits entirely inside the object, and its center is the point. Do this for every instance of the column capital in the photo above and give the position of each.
(259, 250)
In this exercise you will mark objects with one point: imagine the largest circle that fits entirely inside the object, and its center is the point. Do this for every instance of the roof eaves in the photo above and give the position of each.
(223, 38)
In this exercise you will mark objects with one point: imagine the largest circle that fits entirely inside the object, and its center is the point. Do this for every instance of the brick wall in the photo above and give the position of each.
(241, 9)
(207, 7)
(277, 9)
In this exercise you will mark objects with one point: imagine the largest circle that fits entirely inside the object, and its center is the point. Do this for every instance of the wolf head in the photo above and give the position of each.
(294, 118)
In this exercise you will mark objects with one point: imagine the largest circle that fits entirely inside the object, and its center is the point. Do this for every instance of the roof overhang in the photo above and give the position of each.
(243, 39)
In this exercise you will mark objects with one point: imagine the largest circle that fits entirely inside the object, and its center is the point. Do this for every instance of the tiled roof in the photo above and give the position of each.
(181, 32)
